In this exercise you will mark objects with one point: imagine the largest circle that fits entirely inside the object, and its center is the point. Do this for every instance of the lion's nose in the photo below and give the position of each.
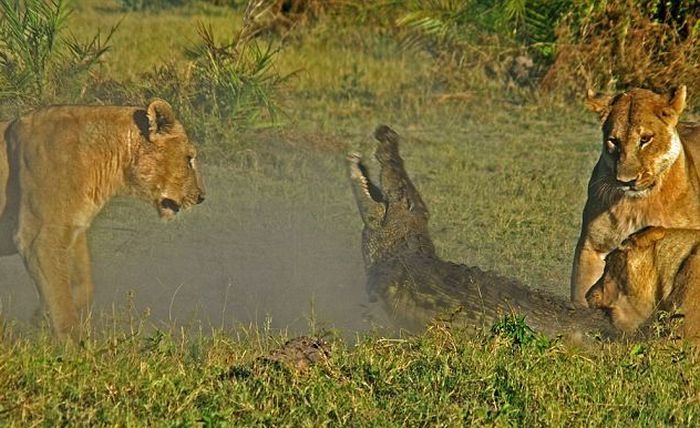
(629, 183)
(200, 199)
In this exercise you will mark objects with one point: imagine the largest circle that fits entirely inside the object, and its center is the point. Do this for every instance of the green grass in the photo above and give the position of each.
(505, 182)
(441, 378)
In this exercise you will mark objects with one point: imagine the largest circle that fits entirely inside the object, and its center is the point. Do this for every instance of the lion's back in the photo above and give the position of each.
(53, 125)
(58, 150)
(51, 141)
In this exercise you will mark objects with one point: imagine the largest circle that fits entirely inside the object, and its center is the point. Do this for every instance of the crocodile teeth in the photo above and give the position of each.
(365, 185)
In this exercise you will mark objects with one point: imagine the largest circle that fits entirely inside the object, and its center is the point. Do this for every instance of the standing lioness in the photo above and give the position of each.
(60, 165)
(646, 176)
(654, 269)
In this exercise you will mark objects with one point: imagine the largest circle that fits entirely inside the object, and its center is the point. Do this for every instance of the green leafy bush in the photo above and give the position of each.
(38, 63)
(515, 329)
(458, 24)
(224, 85)
(234, 81)
(561, 46)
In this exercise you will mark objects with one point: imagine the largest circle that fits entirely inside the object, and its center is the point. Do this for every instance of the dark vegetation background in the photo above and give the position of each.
(487, 95)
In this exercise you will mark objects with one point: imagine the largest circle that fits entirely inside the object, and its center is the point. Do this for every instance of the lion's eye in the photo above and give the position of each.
(611, 144)
(645, 139)
(190, 161)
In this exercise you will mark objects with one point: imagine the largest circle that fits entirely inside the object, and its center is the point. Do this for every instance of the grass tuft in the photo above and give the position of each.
(39, 62)
(441, 378)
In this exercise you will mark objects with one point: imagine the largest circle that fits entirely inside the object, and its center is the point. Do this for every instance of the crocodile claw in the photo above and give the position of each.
(354, 158)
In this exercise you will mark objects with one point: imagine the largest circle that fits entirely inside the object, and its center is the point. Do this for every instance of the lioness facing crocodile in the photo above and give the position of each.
(60, 165)
(416, 286)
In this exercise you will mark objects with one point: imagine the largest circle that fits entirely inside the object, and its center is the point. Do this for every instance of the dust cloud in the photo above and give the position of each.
(275, 251)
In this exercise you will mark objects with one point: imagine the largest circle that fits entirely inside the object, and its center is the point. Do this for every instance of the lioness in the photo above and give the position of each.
(59, 166)
(654, 269)
(646, 176)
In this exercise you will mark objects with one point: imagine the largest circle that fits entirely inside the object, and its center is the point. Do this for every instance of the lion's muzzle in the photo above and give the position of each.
(168, 208)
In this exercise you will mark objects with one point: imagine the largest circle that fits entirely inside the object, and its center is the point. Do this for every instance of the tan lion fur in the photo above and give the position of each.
(654, 269)
(646, 176)
(59, 165)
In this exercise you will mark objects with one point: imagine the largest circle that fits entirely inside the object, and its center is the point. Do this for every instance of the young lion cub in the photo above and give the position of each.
(654, 269)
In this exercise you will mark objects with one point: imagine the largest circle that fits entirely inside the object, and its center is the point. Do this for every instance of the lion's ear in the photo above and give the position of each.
(603, 293)
(675, 106)
(677, 99)
(161, 118)
(643, 239)
(598, 103)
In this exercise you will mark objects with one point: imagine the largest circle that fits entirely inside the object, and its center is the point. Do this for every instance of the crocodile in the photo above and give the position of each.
(416, 287)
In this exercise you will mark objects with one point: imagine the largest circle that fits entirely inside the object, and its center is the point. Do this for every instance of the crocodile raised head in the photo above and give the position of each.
(416, 286)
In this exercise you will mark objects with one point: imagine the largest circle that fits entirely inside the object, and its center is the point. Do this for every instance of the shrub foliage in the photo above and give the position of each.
(616, 45)
(558, 47)
(225, 85)
(571, 44)
(39, 61)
